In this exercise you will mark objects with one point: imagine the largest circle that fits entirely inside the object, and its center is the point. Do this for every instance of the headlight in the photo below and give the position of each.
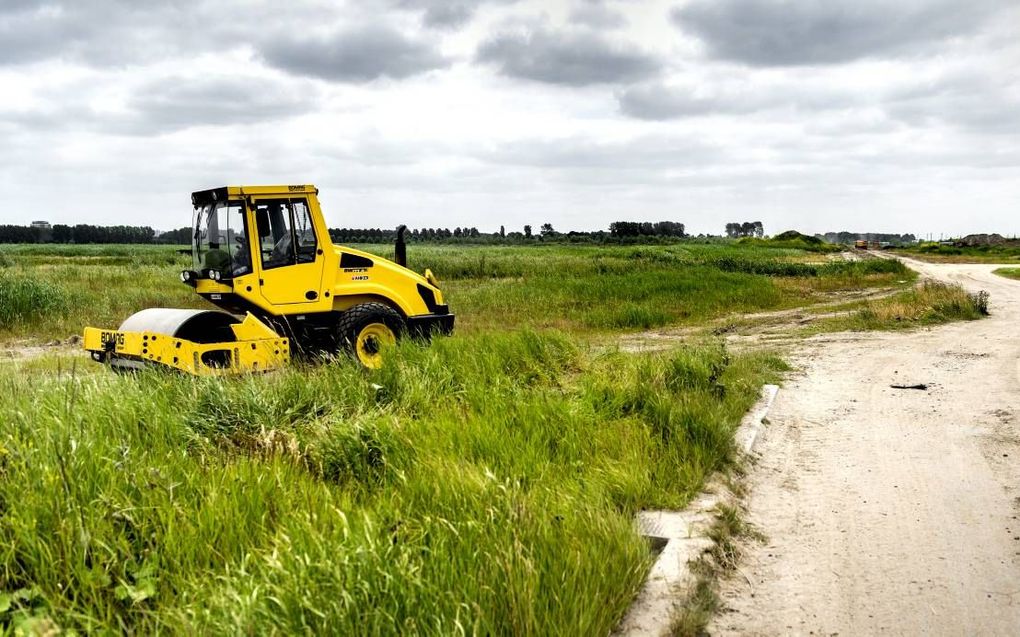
(185, 276)
(215, 275)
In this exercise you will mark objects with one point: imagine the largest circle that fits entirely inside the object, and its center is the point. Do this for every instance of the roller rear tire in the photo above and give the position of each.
(366, 330)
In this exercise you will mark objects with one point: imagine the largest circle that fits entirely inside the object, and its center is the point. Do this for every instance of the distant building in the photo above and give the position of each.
(42, 225)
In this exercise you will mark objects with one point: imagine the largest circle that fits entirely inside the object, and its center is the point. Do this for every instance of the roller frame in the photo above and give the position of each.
(257, 348)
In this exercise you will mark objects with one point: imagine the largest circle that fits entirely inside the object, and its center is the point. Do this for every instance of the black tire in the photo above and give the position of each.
(355, 322)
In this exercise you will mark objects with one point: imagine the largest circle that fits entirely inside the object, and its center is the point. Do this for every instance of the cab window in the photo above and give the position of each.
(286, 235)
(237, 240)
(220, 239)
(306, 244)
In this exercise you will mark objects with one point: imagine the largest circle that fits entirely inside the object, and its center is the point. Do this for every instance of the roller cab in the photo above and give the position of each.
(263, 256)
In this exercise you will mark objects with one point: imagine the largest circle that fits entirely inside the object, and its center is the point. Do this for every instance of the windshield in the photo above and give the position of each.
(220, 241)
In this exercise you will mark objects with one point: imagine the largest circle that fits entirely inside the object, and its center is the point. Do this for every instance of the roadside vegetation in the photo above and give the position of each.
(1009, 273)
(930, 303)
(483, 485)
(937, 252)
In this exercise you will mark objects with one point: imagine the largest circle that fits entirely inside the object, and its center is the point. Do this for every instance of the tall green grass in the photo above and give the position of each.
(930, 303)
(25, 300)
(574, 288)
(485, 485)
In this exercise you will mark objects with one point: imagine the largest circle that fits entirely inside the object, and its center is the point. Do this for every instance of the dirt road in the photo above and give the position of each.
(891, 511)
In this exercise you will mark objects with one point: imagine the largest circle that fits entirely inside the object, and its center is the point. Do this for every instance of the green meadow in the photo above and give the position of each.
(483, 485)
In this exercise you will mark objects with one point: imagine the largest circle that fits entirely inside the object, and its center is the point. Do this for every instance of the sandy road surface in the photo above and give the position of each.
(891, 511)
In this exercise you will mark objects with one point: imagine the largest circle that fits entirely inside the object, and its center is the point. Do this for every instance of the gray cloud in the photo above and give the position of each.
(177, 103)
(659, 101)
(120, 33)
(101, 32)
(776, 33)
(353, 55)
(571, 58)
(971, 101)
(169, 104)
(576, 153)
(596, 14)
(447, 13)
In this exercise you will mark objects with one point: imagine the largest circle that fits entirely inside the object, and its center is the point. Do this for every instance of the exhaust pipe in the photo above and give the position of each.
(400, 249)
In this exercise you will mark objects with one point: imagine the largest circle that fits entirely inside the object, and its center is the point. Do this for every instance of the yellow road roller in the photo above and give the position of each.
(263, 256)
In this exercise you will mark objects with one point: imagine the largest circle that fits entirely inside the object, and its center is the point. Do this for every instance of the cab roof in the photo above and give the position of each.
(202, 197)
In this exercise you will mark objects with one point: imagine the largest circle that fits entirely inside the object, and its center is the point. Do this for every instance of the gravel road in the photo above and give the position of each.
(891, 511)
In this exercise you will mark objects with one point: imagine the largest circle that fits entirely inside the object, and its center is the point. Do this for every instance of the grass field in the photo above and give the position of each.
(1009, 273)
(50, 292)
(483, 485)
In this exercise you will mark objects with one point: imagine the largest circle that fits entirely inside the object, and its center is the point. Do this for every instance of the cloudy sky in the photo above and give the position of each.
(866, 115)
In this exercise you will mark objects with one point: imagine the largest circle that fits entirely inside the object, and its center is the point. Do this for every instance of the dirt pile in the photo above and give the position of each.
(978, 240)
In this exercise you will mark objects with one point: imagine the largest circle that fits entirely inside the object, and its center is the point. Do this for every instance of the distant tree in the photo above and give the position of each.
(547, 230)
(647, 229)
(180, 236)
(527, 232)
(502, 232)
(61, 233)
(745, 229)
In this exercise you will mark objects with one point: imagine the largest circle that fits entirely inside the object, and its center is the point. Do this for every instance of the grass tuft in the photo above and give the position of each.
(728, 530)
(930, 303)
(1009, 273)
(24, 299)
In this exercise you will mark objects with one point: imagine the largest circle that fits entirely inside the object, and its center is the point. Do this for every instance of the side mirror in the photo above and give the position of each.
(400, 247)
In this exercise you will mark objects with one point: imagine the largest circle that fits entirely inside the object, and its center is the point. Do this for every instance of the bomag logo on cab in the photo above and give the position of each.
(112, 338)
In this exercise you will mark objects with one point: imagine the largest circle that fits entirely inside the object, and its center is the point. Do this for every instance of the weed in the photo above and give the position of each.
(930, 303)
(24, 299)
(728, 531)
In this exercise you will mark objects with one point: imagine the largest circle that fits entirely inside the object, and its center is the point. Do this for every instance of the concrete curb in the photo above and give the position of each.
(681, 537)
(754, 422)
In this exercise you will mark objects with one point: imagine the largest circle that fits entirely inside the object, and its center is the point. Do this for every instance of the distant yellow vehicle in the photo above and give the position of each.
(860, 244)
(263, 255)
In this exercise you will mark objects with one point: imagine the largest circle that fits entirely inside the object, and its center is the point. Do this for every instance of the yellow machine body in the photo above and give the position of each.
(264, 253)
(256, 349)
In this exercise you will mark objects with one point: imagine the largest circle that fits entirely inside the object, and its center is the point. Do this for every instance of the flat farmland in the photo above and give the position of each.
(485, 484)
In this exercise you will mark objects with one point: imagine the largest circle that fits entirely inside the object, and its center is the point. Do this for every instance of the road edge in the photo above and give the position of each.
(682, 537)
